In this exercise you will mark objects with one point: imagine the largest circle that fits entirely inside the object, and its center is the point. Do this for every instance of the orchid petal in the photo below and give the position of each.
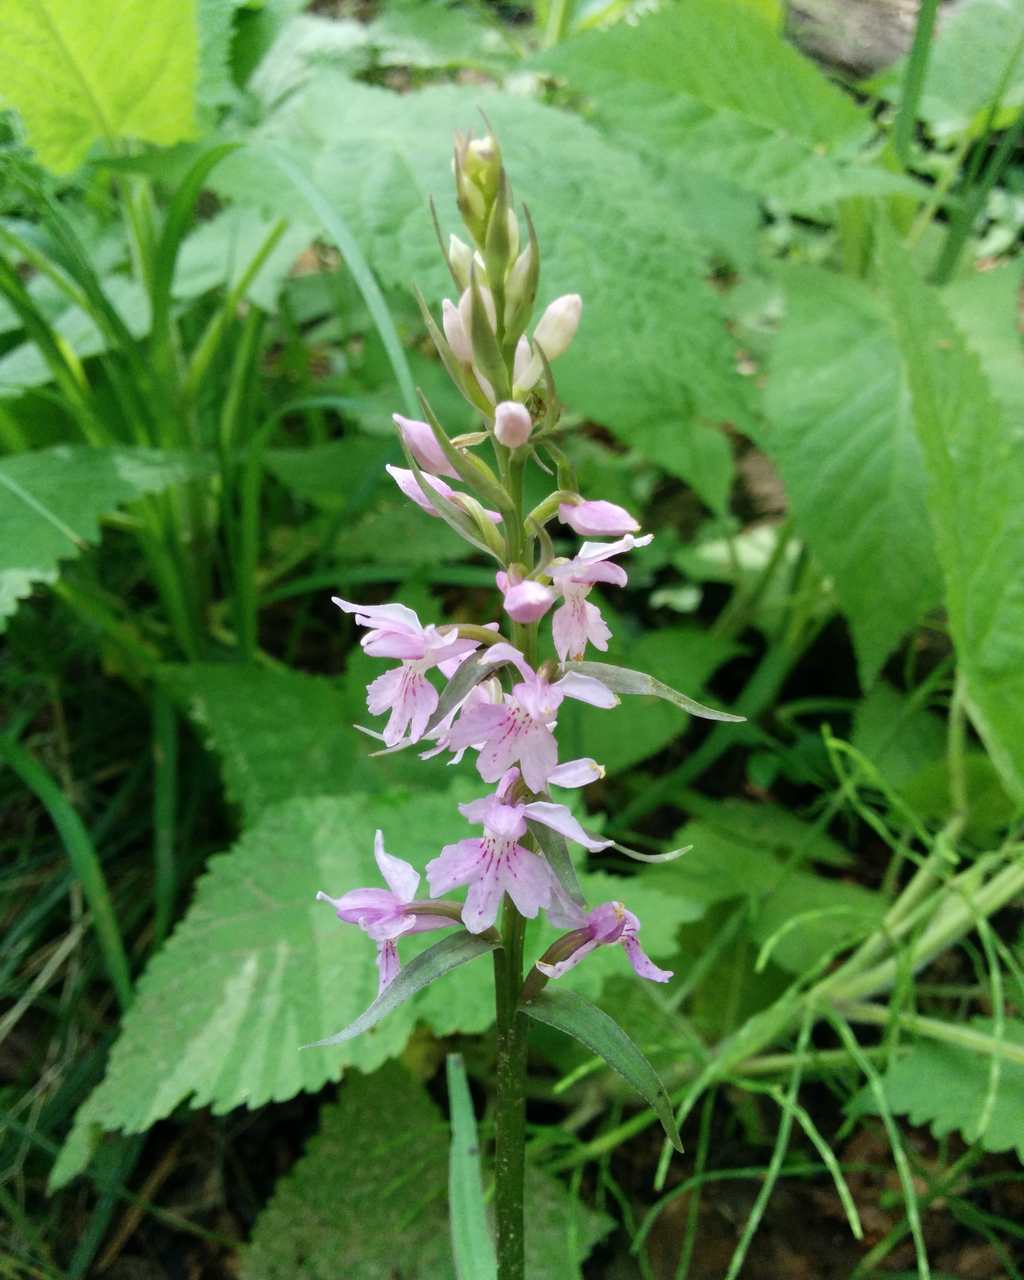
(558, 818)
(401, 878)
(586, 689)
(576, 773)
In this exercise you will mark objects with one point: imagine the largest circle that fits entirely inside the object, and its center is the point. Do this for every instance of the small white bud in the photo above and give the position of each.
(526, 368)
(558, 324)
(455, 332)
(466, 305)
(512, 424)
(517, 281)
(485, 386)
(460, 255)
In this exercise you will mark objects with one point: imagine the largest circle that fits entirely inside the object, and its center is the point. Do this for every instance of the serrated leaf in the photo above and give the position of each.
(841, 432)
(945, 1086)
(282, 734)
(984, 306)
(370, 1189)
(111, 69)
(574, 1015)
(51, 502)
(710, 87)
(665, 361)
(258, 968)
(975, 468)
(422, 970)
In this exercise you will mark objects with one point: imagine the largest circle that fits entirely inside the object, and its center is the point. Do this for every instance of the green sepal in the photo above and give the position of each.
(444, 956)
(573, 1014)
(497, 244)
(486, 353)
(518, 310)
(473, 470)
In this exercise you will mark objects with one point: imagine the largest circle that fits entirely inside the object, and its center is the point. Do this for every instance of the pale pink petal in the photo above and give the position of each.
(642, 964)
(537, 754)
(390, 617)
(483, 901)
(600, 571)
(422, 444)
(356, 905)
(413, 711)
(569, 627)
(570, 962)
(527, 880)
(409, 484)
(586, 689)
(598, 631)
(597, 519)
(477, 723)
(505, 821)
(576, 773)
(402, 879)
(558, 818)
(505, 652)
(505, 748)
(383, 692)
(455, 864)
(592, 552)
(393, 644)
(388, 964)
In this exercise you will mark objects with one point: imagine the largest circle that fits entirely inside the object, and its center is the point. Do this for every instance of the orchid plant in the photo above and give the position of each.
(502, 694)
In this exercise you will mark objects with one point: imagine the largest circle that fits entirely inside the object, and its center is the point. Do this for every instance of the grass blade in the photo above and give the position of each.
(471, 1240)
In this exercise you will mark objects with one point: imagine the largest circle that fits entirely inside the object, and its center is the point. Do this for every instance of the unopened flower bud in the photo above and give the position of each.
(525, 370)
(512, 424)
(485, 386)
(460, 256)
(455, 332)
(481, 164)
(513, 233)
(558, 325)
(597, 519)
(525, 601)
(422, 444)
(520, 286)
(466, 305)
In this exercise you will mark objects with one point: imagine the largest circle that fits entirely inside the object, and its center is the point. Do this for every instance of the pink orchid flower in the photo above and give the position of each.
(396, 632)
(578, 621)
(525, 600)
(410, 486)
(519, 729)
(496, 863)
(598, 519)
(608, 923)
(383, 914)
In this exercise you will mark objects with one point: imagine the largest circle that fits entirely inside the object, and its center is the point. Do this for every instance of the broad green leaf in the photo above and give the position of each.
(708, 86)
(471, 1238)
(984, 305)
(281, 734)
(571, 1013)
(110, 69)
(219, 252)
(976, 51)
(258, 968)
(652, 360)
(436, 962)
(975, 467)
(946, 1087)
(897, 736)
(214, 85)
(370, 1190)
(51, 502)
(841, 432)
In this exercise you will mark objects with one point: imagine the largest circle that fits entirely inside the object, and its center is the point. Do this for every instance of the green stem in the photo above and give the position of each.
(913, 80)
(510, 1112)
(936, 1029)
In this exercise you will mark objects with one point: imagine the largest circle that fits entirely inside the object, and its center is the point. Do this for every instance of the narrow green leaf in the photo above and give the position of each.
(975, 466)
(444, 956)
(109, 69)
(577, 1017)
(624, 680)
(471, 1239)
